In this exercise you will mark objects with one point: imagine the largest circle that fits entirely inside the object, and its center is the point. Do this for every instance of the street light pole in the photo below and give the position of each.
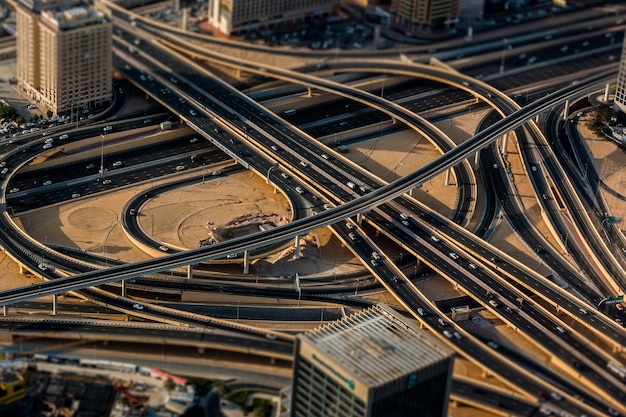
(504, 43)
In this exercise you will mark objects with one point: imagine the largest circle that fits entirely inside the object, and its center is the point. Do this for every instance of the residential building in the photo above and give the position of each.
(425, 15)
(64, 54)
(374, 363)
(236, 17)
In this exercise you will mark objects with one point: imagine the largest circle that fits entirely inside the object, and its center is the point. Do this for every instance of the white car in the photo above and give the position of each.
(454, 255)
(299, 190)
(108, 128)
(448, 334)
(327, 207)
(47, 146)
(231, 256)
(117, 163)
(62, 137)
(493, 303)
(138, 306)
(192, 112)
(180, 168)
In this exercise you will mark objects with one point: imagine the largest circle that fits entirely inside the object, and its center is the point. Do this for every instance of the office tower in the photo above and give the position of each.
(236, 17)
(620, 93)
(64, 54)
(424, 15)
(375, 363)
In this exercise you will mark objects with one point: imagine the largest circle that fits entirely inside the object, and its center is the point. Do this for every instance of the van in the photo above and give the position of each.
(351, 185)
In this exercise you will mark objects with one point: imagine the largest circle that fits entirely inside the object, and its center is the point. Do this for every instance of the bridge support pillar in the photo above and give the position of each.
(189, 271)
(296, 254)
(123, 288)
(447, 181)
(246, 262)
(359, 219)
(309, 92)
(21, 269)
(566, 110)
(505, 139)
(55, 306)
(5, 310)
(477, 160)
(606, 92)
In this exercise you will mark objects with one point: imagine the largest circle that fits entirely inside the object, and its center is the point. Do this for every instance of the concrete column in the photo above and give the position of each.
(505, 140)
(566, 110)
(189, 271)
(296, 254)
(359, 219)
(246, 262)
(477, 160)
(5, 310)
(309, 92)
(22, 269)
(123, 288)
(606, 92)
(447, 181)
(185, 18)
(55, 307)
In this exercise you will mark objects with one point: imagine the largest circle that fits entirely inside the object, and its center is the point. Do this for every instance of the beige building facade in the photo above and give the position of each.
(236, 17)
(423, 15)
(64, 55)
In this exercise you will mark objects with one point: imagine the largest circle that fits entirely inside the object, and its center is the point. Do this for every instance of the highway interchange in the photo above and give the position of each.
(247, 132)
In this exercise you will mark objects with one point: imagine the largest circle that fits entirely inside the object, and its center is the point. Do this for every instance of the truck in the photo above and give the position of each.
(167, 125)
(351, 185)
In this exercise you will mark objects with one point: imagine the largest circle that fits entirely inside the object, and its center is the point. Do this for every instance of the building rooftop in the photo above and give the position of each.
(72, 17)
(377, 345)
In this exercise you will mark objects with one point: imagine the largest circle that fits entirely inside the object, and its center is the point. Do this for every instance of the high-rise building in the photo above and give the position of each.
(374, 363)
(235, 17)
(620, 93)
(64, 54)
(424, 15)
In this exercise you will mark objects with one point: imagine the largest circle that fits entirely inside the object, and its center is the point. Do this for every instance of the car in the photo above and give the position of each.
(327, 206)
(164, 248)
(3, 163)
(404, 216)
(349, 226)
(583, 311)
(453, 255)
(274, 148)
(493, 303)
(4, 170)
(421, 311)
(325, 156)
(619, 321)
(13, 140)
(284, 175)
(105, 182)
(146, 121)
(231, 256)
(303, 163)
(137, 306)
(352, 236)
(192, 112)
(405, 222)
(271, 336)
(42, 266)
(458, 336)
(495, 166)
(193, 140)
(47, 182)
(560, 329)
(545, 411)
(376, 256)
(492, 344)
(63, 137)
(579, 114)
(534, 168)
(14, 190)
(612, 412)
(117, 163)
(544, 196)
(619, 306)
(434, 238)
(75, 195)
(472, 265)
(47, 146)
(216, 130)
(216, 173)
(442, 322)
(299, 190)
(132, 212)
(90, 166)
(448, 334)
(180, 168)
(374, 262)
(108, 128)
(556, 396)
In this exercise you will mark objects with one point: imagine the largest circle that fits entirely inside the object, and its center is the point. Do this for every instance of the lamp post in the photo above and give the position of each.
(101, 154)
(504, 44)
